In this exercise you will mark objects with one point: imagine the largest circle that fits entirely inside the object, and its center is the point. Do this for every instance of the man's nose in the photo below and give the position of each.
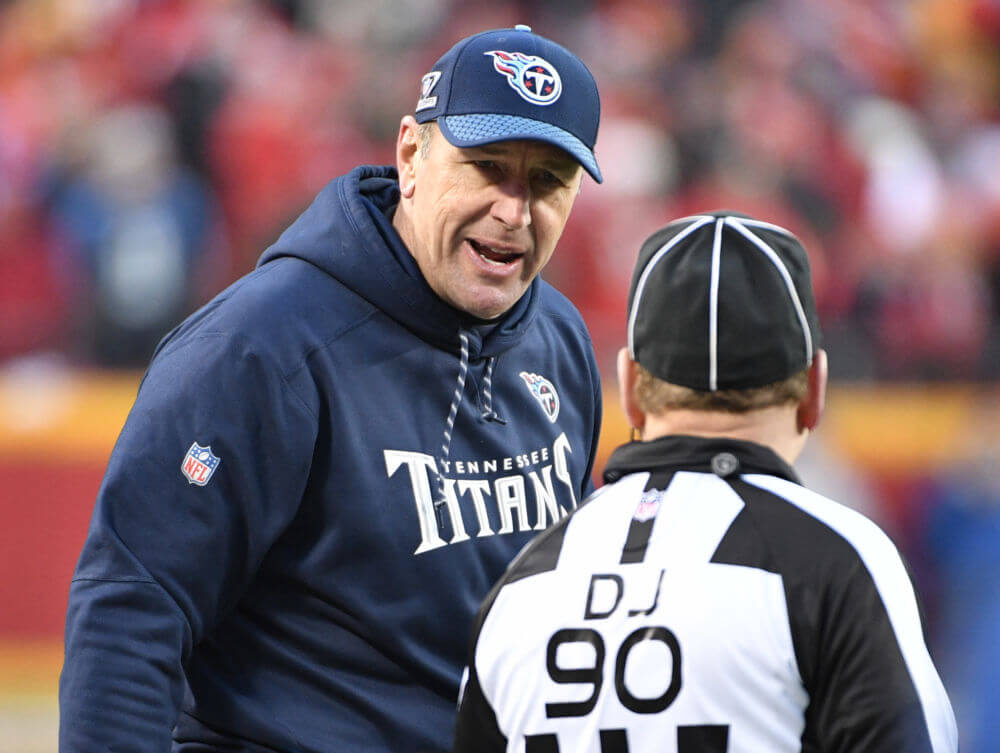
(512, 205)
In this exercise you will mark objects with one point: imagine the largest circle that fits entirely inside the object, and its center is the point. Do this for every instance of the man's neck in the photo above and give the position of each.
(401, 221)
(775, 427)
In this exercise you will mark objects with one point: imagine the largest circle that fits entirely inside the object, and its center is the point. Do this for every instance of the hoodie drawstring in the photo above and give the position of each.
(488, 414)
(456, 400)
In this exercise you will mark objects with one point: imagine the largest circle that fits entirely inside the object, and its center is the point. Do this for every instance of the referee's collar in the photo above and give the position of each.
(722, 456)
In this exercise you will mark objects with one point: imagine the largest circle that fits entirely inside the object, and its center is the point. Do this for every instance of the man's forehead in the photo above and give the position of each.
(544, 152)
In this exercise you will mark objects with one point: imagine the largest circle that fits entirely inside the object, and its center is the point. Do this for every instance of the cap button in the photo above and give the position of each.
(724, 464)
(522, 27)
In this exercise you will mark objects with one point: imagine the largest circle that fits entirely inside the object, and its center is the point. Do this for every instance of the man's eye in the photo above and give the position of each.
(548, 178)
(485, 164)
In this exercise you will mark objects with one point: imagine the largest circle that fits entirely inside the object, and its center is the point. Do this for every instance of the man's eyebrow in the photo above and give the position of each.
(557, 158)
(562, 163)
(499, 147)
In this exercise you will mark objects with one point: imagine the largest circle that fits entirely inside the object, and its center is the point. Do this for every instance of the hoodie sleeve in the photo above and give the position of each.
(168, 554)
(595, 377)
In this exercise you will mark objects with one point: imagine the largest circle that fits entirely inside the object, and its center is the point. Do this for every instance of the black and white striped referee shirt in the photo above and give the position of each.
(704, 601)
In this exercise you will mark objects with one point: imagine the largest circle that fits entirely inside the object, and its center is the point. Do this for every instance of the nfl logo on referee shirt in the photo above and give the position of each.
(543, 391)
(534, 78)
(199, 464)
(648, 505)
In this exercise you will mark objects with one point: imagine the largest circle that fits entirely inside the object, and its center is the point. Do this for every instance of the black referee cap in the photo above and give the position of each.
(722, 301)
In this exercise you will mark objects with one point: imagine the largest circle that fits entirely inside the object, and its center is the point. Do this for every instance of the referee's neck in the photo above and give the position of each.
(776, 427)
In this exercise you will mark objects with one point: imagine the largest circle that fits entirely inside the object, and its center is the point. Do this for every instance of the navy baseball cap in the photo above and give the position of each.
(508, 84)
(722, 301)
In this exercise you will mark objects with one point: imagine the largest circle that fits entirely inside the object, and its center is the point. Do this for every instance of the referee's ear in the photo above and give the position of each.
(810, 410)
(627, 376)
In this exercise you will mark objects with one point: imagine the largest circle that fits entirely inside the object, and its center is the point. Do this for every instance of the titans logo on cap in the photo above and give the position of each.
(534, 78)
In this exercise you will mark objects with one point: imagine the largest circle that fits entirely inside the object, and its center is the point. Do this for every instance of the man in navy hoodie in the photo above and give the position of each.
(329, 464)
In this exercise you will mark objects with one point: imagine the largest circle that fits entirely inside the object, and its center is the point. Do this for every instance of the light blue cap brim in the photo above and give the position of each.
(479, 129)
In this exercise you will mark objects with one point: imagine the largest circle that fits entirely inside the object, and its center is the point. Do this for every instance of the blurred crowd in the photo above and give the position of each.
(151, 149)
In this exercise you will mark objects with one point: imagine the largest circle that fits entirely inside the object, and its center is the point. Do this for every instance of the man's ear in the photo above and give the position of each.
(407, 155)
(627, 377)
(810, 410)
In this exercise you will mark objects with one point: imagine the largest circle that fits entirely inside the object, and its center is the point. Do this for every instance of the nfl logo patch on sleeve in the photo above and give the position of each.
(199, 464)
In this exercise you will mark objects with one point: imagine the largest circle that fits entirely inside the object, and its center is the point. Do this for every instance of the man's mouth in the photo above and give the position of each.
(492, 255)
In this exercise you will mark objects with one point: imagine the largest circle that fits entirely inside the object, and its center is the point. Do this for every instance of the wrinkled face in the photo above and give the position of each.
(482, 222)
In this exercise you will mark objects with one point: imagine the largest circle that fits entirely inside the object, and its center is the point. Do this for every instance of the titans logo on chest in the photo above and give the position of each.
(523, 492)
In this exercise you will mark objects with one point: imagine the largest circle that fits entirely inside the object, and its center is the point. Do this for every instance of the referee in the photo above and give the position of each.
(704, 600)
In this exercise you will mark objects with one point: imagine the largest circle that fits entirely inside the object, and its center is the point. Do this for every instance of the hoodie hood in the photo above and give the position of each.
(347, 232)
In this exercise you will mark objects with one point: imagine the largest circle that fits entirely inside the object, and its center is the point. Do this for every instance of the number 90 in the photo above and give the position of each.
(594, 675)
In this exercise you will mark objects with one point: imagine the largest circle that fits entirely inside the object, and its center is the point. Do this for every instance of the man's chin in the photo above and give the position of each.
(489, 304)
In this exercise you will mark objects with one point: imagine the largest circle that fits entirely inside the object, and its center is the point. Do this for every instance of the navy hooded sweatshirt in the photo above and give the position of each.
(307, 504)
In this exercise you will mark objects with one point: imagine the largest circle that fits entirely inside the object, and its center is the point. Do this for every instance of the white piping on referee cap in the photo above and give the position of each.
(767, 225)
(713, 310)
(699, 221)
(740, 226)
